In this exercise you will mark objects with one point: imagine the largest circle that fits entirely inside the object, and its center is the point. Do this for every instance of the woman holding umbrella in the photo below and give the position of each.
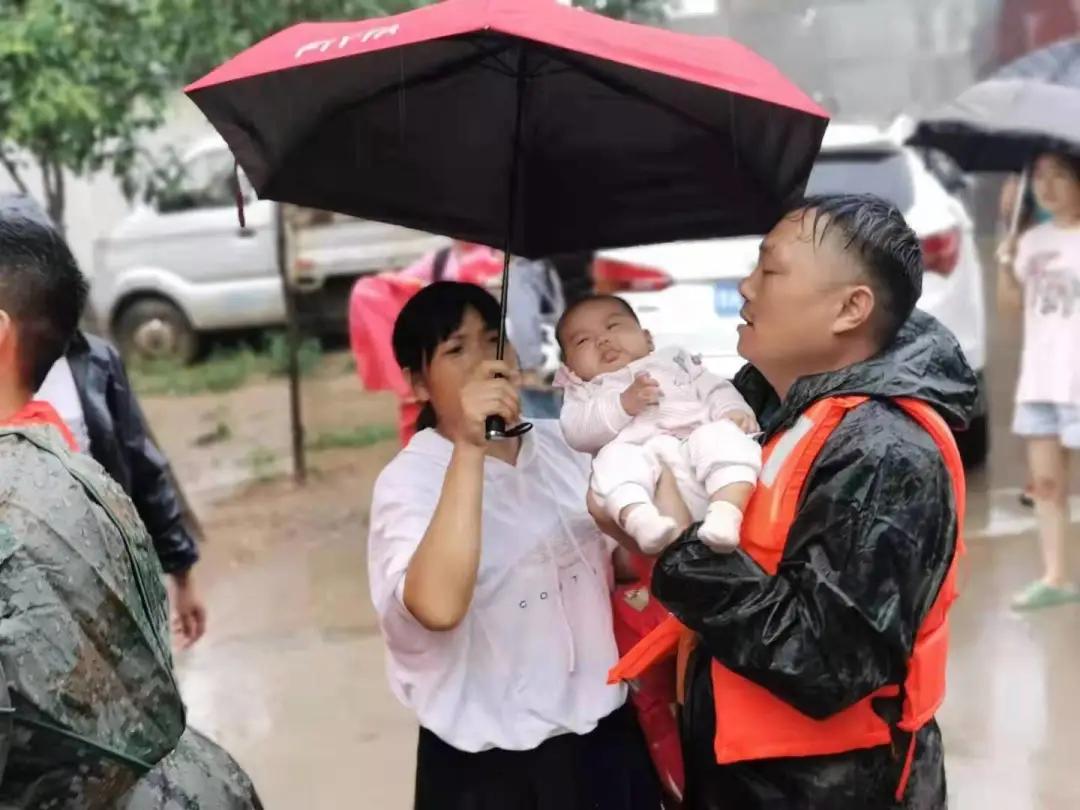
(544, 130)
(1026, 116)
(1016, 192)
(1040, 275)
(492, 585)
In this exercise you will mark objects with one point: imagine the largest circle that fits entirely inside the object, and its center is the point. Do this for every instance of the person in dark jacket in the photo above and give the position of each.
(829, 312)
(89, 388)
(121, 442)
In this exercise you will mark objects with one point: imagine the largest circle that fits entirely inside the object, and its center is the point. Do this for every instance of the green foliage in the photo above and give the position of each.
(79, 79)
(82, 80)
(214, 31)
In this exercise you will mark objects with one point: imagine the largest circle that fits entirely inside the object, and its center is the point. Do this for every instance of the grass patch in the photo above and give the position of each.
(226, 369)
(356, 437)
(263, 464)
(309, 355)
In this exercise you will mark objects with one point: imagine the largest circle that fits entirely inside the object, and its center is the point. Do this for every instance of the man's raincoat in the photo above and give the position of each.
(871, 541)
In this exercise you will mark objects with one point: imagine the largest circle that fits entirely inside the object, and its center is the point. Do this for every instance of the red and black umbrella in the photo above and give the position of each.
(521, 124)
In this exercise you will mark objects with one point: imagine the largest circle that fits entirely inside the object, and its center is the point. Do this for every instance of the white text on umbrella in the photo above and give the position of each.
(323, 45)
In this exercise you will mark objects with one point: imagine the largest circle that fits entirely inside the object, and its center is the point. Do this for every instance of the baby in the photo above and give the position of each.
(635, 409)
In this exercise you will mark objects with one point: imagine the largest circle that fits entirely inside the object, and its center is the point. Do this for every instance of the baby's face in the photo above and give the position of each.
(602, 336)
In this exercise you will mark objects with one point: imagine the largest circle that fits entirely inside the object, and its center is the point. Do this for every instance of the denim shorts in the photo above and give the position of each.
(1048, 419)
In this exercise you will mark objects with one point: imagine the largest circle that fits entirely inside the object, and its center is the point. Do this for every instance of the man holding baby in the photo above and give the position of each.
(812, 657)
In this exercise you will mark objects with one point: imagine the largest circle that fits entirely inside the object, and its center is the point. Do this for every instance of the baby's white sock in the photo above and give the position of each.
(652, 531)
(720, 531)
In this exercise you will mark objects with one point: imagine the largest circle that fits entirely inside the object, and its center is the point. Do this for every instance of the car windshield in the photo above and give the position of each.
(886, 174)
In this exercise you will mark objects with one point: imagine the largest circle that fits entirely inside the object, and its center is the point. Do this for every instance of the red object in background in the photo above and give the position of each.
(612, 276)
(478, 264)
(941, 251)
(635, 613)
(408, 413)
(377, 300)
(373, 307)
(1026, 25)
(473, 264)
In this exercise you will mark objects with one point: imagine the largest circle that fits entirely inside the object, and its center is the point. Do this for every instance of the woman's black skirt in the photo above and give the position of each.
(606, 769)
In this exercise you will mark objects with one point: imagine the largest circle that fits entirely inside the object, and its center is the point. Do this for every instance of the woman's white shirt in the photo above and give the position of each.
(530, 659)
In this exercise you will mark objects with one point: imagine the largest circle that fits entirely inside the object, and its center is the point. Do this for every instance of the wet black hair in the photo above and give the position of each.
(429, 318)
(589, 299)
(886, 246)
(41, 288)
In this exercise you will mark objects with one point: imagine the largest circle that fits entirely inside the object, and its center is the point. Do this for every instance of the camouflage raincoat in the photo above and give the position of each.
(95, 719)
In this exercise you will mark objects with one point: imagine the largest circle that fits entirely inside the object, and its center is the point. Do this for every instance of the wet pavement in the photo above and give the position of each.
(290, 677)
(1011, 719)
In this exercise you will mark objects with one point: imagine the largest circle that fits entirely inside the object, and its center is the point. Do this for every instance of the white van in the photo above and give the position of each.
(182, 267)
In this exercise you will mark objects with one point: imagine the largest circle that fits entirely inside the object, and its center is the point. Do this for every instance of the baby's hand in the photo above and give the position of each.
(744, 421)
(643, 392)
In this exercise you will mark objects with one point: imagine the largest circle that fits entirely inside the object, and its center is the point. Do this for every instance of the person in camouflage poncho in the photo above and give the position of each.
(90, 712)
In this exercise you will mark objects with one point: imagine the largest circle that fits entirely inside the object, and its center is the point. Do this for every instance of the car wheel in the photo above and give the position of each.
(156, 330)
(974, 443)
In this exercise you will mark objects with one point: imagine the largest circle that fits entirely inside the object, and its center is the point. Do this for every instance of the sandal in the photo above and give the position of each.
(1039, 595)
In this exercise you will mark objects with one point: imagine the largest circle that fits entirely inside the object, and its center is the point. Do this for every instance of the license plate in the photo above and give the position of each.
(726, 298)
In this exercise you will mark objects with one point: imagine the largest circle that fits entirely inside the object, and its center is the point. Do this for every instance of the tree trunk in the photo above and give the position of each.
(52, 176)
(12, 167)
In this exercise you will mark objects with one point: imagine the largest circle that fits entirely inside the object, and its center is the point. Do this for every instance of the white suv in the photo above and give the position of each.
(686, 293)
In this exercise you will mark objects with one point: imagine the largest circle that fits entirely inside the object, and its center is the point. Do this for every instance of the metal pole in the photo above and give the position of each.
(511, 203)
(1018, 203)
(296, 421)
(495, 426)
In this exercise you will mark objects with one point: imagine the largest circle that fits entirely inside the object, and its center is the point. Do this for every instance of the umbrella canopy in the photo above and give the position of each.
(1055, 64)
(1028, 107)
(453, 117)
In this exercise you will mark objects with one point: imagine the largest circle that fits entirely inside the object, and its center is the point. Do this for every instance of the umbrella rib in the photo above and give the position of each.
(543, 74)
(415, 81)
(548, 67)
(627, 89)
(496, 54)
(424, 78)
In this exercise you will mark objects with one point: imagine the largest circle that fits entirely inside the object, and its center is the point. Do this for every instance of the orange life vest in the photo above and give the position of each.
(751, 722)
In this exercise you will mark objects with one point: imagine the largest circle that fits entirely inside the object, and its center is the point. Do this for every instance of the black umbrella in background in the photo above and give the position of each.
(1029, 107)
(1001, 124)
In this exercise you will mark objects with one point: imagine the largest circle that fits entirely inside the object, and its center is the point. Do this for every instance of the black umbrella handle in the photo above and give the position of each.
(495, 429)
